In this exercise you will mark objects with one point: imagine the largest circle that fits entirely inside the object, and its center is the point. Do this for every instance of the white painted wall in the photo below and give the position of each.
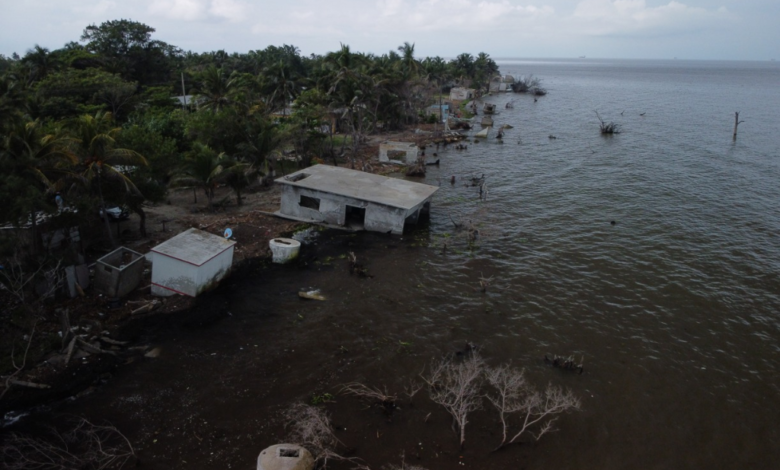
(214, 270)
(171, 276)
(385, 219)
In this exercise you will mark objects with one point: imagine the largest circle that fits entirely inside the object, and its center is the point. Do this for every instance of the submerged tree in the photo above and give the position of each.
(607, 128)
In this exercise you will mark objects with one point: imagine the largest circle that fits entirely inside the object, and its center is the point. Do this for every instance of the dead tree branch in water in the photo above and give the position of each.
(456, 388)
(357, 268)
(86, 446)
(514, 395)
(737, 122)
(484, 282)
(607, 128)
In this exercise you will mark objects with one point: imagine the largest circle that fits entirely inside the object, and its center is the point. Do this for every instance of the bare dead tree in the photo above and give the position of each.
(18, 368)
(456, 387)
(85, 446)
(514, 395)
(18, 277)
(737, 122)
(412, 388)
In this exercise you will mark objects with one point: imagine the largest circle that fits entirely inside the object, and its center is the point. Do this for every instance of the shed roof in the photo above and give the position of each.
(194, 246)
(391, 192)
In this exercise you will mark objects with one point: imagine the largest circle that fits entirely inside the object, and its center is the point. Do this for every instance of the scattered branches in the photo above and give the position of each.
(403, 466)
(484, 282)
(86, 446)
(607, 128)
(357, 268)
(364, 391)
(514, 395)
(311, 428)
(566, 363)
(18, 368)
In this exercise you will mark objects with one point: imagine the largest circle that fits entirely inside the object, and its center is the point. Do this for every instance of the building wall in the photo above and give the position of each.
(459, 93)
(381, 218)
(113, 277)
(213, 271)
(331, 207)
(408, 148)
(174, 276)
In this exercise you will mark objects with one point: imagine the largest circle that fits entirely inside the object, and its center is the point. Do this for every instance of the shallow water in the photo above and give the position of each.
(675, 308)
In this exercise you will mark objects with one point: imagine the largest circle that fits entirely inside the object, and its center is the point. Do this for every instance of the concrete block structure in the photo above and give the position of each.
(498, 85)
(285, 457)
(461, 93)
(353, 199)
(190, 263)
(399, 152)
(119, 272)
(437, 110)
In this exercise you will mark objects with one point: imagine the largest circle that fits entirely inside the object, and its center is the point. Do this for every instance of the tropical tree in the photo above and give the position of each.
(201, 169)
(32, 162)
(235, 173)
(215, 88)
(410, 64)
(101, 159)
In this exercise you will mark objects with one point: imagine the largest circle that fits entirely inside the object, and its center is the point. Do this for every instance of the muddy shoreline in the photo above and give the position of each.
(216, 396)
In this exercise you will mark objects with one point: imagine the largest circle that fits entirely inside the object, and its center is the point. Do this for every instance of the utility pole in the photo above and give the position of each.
(183, 92)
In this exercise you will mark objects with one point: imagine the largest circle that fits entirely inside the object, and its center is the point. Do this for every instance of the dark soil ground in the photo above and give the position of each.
(85, 372)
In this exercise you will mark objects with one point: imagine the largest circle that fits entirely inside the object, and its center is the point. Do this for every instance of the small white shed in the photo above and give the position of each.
(190, 263)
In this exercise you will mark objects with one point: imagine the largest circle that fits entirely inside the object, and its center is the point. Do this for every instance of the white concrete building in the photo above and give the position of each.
(461, 93)
(190, 263)
(399, 152)
(353, 199)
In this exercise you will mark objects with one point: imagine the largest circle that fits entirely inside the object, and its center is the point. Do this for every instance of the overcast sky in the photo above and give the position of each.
(634, 29)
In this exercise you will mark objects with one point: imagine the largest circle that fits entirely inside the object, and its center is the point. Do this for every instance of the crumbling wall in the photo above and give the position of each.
(403, 152)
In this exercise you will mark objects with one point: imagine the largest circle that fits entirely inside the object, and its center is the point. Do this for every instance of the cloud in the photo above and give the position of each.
(634, 17)
(454, 16)
(229, 9)
(197, 10)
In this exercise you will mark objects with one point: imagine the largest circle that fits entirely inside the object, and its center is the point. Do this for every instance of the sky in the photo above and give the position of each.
(624, 29)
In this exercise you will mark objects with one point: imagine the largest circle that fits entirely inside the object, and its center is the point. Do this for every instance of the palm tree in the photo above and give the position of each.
(215, 88)
(201, 170)
(411, 65)
(39, 60)
(38, 161)
(280, 81)
(95, 137)
(236, 174)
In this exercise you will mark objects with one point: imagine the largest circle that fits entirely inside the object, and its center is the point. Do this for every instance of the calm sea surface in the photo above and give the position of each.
(675, 308)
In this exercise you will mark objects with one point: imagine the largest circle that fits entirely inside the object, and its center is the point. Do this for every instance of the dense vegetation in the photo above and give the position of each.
(119, 116)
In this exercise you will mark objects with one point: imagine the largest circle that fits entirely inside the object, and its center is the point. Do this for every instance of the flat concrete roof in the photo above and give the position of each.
(194, 246)
(355, 184)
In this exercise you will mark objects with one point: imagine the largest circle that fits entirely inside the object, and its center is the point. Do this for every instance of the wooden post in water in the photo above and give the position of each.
(737, 122)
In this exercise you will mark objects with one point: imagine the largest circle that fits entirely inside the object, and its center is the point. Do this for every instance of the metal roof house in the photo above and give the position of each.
(190, 263)
(353, 199)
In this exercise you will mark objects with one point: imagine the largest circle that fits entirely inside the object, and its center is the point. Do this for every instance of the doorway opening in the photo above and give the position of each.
(355, 217)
